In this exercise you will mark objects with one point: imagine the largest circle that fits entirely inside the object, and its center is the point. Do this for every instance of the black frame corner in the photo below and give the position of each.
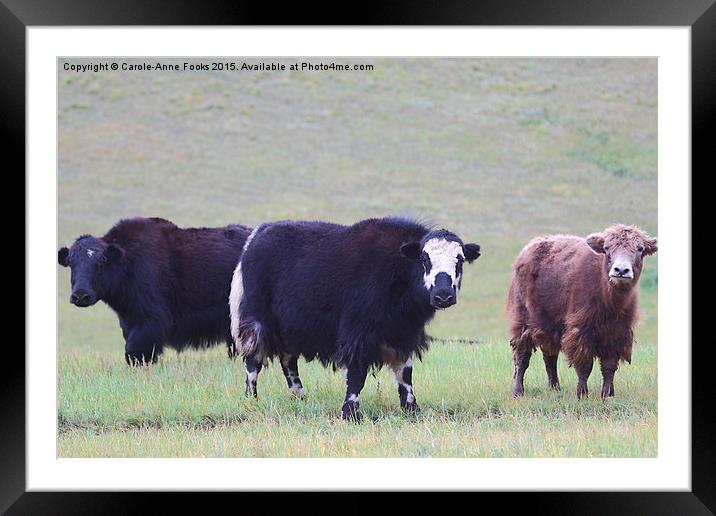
(700, 15)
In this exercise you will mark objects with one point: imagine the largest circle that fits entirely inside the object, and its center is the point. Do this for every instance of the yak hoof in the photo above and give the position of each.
(134, 360)
(555, 386)
(582, 392)
(607, 391)
(297, 392)
(351, 412)
(411, 409)
(518, 390)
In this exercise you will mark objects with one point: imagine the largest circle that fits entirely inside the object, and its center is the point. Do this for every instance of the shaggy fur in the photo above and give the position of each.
(168, 285)
(565, 296)
(346, 295)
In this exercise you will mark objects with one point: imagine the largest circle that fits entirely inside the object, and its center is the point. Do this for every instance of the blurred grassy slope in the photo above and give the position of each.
(497, 150)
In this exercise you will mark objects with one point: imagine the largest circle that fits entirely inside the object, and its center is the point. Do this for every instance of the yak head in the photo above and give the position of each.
(441, 255)
(91, 262)
(625, 248)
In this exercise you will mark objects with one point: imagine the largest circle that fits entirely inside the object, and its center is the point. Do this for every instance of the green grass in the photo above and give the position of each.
(499, 150)
(193, 405)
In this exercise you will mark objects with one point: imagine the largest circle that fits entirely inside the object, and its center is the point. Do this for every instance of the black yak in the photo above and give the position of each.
(168, 285)
(579, 296)
(353, 296)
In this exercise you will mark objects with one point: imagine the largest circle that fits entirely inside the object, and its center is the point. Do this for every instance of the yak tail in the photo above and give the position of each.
(245, 333)
(235, 296)
(251, 341)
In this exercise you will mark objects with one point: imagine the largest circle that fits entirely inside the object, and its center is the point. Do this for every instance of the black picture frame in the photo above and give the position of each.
(17, 15)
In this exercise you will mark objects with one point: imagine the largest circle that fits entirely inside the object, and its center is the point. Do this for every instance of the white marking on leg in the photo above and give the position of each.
(297, 389)
(398, 372)
(252, 376)
(294, 380)
(353, 396)
(443, 255)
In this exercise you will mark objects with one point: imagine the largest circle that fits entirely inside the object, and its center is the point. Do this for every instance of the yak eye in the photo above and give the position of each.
(640, 248)
(425, 259)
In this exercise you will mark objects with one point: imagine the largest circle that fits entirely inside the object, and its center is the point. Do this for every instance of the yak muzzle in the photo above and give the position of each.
(621, 270)
(82, 298)
(622, 273)
(443, 299)
(443, 294)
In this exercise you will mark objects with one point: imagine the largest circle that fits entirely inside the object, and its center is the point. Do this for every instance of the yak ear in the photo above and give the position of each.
(650, 246)
(411, 250)
(62, 256)
(596, 242)
(113, 253)
(472, 252)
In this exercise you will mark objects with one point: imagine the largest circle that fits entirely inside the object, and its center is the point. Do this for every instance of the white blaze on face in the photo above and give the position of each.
(443, 258)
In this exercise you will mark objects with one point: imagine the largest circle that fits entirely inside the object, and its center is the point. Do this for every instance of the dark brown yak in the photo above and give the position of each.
(580, 296)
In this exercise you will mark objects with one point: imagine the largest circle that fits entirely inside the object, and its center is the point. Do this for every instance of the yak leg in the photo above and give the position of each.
(609, 367)
(404, 376)
(521, 360)
(253, 368)
(355, 379)
(579, 347)
(289, 366)
(550, 365)
(143, 345)
(231, 350)
(583, 369)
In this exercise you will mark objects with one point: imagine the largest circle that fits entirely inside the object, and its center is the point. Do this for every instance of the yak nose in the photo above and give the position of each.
(444, 300)
(80, 298)
(621, 271)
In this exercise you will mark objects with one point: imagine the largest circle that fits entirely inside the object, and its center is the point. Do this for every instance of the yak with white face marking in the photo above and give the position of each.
(353, 296)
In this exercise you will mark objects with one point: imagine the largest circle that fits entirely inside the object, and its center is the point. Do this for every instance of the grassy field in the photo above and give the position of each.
(497, 150)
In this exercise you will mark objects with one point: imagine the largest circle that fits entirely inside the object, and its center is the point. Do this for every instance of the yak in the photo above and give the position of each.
(580, 296)
(167, 285)
(355, 297)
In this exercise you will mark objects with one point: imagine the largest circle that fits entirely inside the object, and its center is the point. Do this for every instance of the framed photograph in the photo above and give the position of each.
(326, 256)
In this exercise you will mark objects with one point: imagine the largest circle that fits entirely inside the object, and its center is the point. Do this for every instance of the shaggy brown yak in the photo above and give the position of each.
(580, 296)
